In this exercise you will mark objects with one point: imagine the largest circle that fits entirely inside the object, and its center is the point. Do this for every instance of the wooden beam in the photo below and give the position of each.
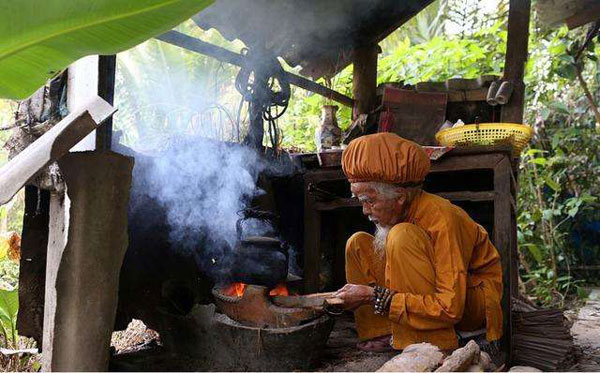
(51, 146)
(106, 90)
(314, 87)
(516, 56)
(583, 17)
(222, 54)
(364, 79)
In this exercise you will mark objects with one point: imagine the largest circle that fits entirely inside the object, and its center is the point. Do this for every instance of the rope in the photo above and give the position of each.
(263, 82)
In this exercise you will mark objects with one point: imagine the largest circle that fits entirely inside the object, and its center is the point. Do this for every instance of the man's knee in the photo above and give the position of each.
(358, 240)
(407, 237)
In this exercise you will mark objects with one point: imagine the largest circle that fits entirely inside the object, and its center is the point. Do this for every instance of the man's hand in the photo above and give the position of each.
(354, 295)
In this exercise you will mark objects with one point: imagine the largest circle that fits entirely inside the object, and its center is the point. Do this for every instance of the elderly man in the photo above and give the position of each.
(430, 270)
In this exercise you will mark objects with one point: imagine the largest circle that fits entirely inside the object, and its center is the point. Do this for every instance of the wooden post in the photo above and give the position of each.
(106, 90)
(364, 79)
(86, 245)
(516, 56)
(32, 273)
(256, 130)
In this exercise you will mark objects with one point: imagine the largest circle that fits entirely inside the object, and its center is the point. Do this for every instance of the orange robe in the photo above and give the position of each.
(446, 272)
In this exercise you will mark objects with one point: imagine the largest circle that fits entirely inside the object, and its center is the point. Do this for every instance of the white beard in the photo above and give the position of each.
(380, 239)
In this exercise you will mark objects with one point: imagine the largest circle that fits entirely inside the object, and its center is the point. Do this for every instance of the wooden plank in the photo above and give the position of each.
(222, 54)
(316, 300)
(106, 90)
(468, 196)
(52, 145)
(516, 56)
(483, 161)
(482, 149)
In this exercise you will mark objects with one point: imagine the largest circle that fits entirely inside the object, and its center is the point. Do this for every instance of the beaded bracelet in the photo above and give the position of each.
(382, 299)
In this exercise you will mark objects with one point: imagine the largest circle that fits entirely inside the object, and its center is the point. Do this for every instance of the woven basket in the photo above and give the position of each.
(517, 135)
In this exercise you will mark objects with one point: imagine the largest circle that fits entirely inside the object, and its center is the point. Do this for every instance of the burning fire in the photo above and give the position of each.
(236, 289)
(280, 289)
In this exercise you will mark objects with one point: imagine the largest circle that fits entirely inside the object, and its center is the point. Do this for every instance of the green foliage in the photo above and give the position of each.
(11, 214)
(442, 58)
(9, 273)
(9, 306)
(40, 38)
(163, 89)
(430, 22)
(558, 197)
(437, 59)
(557, 191)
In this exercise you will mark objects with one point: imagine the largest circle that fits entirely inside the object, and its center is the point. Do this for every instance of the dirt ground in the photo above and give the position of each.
(586, 334)
(341, 353)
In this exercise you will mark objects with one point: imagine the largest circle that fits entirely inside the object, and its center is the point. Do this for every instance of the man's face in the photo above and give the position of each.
(385, 212)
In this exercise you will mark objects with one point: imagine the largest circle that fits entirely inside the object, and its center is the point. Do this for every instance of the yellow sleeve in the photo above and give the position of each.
(445, 307)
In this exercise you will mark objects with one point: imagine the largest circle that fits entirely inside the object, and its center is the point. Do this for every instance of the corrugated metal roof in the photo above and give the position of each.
(318, 35)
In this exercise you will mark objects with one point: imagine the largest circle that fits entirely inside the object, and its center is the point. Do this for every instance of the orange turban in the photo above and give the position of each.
(385, 157)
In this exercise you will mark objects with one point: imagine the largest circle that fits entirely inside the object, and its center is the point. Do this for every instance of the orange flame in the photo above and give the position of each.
(280, 289)
(236, 289)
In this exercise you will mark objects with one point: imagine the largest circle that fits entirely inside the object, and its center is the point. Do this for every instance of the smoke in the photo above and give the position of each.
(201, 184)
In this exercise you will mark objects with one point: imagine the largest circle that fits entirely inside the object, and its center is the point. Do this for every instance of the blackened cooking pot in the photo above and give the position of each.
(259, 260)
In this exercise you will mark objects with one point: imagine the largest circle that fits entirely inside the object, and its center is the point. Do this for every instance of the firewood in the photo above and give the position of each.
(486, 362)
(420, 357)
(316, 300)
(461, 358)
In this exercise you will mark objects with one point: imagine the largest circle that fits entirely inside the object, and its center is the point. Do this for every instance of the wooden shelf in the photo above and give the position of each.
(341, 203)
(468, 196)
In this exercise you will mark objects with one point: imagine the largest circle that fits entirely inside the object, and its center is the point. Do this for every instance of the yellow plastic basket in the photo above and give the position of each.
(517, 135)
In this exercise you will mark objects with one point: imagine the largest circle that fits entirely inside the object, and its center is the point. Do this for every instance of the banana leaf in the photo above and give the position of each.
(38, 38)
(9, 306)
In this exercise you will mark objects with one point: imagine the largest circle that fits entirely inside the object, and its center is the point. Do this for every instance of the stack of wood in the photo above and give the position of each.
(425, 357)
(541, 338)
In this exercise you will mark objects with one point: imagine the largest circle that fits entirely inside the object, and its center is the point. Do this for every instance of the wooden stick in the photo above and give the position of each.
(316, 300)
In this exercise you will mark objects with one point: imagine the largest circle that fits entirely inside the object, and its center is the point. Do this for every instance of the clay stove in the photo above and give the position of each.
(254, 306)
(263, 335)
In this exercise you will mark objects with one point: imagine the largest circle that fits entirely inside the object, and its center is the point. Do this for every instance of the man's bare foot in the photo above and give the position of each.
(378, 344)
